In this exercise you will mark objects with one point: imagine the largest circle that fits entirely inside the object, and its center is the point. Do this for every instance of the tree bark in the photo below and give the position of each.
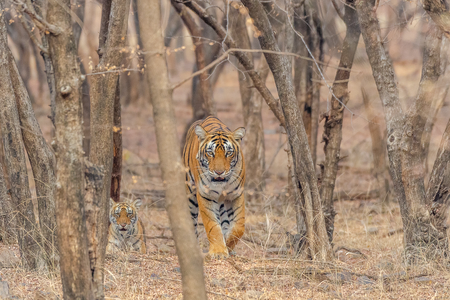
(405, 148)
(42, 162)
(206, 106)
(421, 232)
(168, 150)
(438, 100)
(438, 12)
(438, 193)
(318, 243)
(386, 82)
(252, 104)
(317, 42)
(378, 150)
(70, 214)
(243, 58)
(78, 10)
(302, 69)
(27, 232)
(7, 224)
(103, 90)
(116, 174)
(332, 135)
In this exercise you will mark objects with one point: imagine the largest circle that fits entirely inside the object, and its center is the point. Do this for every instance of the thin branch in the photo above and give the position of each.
(438, 12)
(232, 50)
(243, 58)
(210, 66)
(41, 23)
(33, 36)
(196, 30)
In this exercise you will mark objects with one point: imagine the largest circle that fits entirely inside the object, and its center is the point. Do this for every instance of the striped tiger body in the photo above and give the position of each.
(215, 182)
(126, 231)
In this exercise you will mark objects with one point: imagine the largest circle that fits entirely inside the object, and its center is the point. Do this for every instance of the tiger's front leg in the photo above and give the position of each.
(209, 211)
(236, 217)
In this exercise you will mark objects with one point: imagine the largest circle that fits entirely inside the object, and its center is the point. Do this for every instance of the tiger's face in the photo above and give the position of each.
(123, 215)
(219, 153)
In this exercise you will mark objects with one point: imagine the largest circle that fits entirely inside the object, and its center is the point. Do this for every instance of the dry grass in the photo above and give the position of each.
(375, 271)
(368, 261)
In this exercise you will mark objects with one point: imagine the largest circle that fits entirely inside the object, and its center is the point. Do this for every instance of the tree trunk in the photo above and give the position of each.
(103, 91)
(318, 243)
(438, 193)
(7, 224)
(332, 135)
(168, 150)
(378, 150)
(438, 100)
(405, 149)
(438, 12)
(422, 233)
(386, 82)
(302, 68)
(78, 9)
(28, 234)
(70, 214)
(243, 58)
(116, 174)
(317, 42)
(252, 105)
(42, 162)
(205, 107)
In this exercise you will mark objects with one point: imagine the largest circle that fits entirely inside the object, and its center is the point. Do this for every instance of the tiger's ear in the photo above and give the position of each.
(200, 132)
(112, 203)
(239, 133)
(137, 203)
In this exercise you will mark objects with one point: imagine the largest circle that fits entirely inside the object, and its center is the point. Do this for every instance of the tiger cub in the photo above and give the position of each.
(215, 182)
(126, 231)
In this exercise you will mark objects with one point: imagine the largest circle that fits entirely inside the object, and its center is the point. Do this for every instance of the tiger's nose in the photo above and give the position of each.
(123, 224)
(219, 172)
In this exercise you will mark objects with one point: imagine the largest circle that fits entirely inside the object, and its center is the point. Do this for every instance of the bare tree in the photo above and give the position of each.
(103, 91)
(318, 243)
(242, 57)
(332, 135)
(438, 12)
(7, 235)
(405, 150)
(168, 149)
(252, 104)
(42, 162)
(116, 173)
(28, 235)
(70, 213)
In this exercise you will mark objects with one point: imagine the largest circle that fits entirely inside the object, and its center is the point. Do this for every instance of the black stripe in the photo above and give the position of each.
(221, 224)
(193, 203)
(210, 200)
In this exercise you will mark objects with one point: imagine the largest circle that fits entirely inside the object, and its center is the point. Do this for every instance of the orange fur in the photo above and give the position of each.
(126, 231)
(215, 182)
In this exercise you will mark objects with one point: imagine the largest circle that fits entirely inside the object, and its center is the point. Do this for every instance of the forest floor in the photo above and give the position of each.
(368, 240)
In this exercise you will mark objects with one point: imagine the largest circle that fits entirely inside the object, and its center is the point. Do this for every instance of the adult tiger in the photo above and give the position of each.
(215, 182)
(126, 231)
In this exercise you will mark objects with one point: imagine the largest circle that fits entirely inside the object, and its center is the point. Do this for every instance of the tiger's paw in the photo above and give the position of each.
(216, 255)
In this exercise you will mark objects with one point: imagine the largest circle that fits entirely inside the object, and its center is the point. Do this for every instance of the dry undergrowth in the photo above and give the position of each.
(368, 264)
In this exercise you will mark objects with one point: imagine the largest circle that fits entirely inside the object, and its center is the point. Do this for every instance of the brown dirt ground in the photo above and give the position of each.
(264, 267)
